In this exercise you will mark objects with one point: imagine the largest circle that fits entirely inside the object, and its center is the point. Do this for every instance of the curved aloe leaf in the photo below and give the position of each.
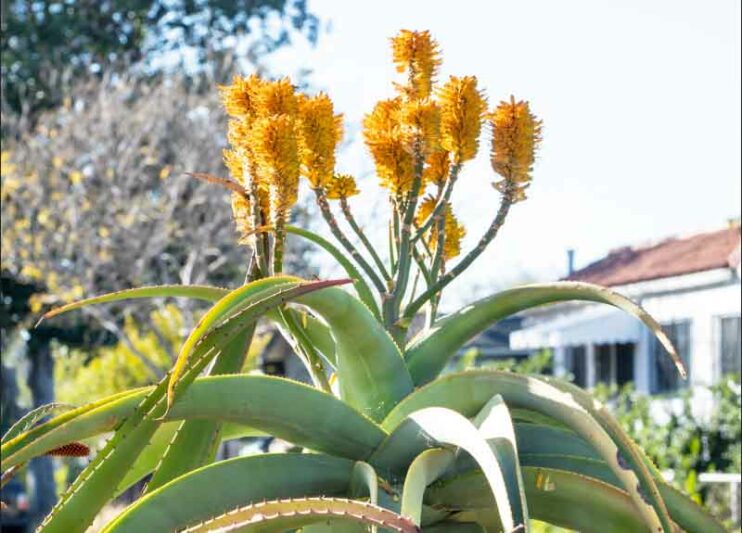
(560, 498)
(30, 419)
(316, 331)
(430, 351)
(422, 428)
(361, 287)
(468, 392)
(279, 515)
(371, 372)
(496, 426)
(199, 292)
(426, 468)
(197, 441)
(233, 313)
(263, 403)
(96, 484)
(548, 487)
(192, 499)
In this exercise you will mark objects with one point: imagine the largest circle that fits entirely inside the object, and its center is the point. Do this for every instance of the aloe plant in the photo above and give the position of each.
(386, 443)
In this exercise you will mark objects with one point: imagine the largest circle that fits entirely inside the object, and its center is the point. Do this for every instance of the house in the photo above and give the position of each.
(690, 284)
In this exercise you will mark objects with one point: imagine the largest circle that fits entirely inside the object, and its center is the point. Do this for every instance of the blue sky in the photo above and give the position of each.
(640, 102)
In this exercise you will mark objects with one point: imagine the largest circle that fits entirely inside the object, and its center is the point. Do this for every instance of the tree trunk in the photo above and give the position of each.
(41, 383)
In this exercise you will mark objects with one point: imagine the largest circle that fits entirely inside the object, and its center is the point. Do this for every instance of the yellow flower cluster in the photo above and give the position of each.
(516, 135)
(437, 166)
(275, 135)
(389, 146)
(415, 125)
(417, 54)
(454, 231)
(341, 186)
(462, 109)
(320, 131)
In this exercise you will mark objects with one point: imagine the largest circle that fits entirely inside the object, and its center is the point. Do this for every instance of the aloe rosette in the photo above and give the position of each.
(383, 439)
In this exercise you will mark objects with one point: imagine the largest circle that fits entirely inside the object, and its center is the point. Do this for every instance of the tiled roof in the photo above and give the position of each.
(671, 257)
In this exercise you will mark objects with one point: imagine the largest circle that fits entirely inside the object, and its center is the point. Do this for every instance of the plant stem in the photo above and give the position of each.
(405, 254)
(324, 208)
(345, 207)
(278, 243)
(442, 201)
(447, 278)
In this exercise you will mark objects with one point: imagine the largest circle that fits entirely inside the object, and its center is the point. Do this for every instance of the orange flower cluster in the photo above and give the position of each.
(516, 135)
(454, 231)
(275, 135)
(438, 127)
(462, 110)
(341, 186)
(417, 54)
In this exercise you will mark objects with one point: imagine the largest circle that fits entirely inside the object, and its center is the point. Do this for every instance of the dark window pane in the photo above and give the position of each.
(604, 364)
(666, 377)
(624, 363)
(731, 345)
(577, 366)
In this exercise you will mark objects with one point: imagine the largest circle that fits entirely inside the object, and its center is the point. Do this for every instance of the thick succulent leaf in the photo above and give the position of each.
(31, 418)
(287, 409)
(152, 454)
(316, 331)
(631, 456)
(236, 311)
(548, 488)
(78, 424)
(560, 498)
(96, 484)
(371, 372)
(468, 392)
(197, 441)
(455, 527)
(360, 285)
(287, 514)
(264, 403)
(426, 468)
(429, 353)
(424, 428)
(208, 492)
(199, 292)
(364, 483)
(496, 426)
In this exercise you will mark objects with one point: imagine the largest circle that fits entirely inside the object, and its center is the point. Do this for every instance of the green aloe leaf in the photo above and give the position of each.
(426, 468)
(370, 369)
(292, 513)
(264, 403)
(235, 312)
(199, 292)
(30, 419)
(360, 285)
(427, 427)
(96, 484)
(549, 488)
(561, 498)
(197, 441)
(429, 353)
(208, 492)
(468, 392)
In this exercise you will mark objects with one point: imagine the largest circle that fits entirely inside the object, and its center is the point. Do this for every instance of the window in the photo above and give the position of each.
(576, 365)
(614, 363)
(665, 375)
(731, 345)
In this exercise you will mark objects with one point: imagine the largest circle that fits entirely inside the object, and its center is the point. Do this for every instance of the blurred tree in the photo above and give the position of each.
(93, 199)
(45, 43)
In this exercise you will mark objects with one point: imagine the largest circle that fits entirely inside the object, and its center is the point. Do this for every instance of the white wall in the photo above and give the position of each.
(702, 308)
